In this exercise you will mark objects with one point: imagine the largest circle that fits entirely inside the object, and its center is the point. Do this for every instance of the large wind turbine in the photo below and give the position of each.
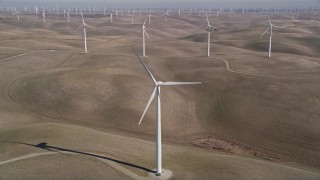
(270, 39)
(156, 92)
(209, 29)
(84, 25)
(144, 32)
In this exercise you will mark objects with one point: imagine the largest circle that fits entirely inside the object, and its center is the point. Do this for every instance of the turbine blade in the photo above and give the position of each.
(144, 65)
(179, 83)
(264, 32)
(208, 21)
(281, 27)
(145, 20)
(146, 34)
(77, 29)
(148, 104)
(292, 29)
(91, 27)
(270, 22)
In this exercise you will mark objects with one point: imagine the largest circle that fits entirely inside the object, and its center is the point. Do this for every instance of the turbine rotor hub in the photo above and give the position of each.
(159, 83)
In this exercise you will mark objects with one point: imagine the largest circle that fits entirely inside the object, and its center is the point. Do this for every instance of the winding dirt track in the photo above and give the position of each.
(253, 74)
(20, 55)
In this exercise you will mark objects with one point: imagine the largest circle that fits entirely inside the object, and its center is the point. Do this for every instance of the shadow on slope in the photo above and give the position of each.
(45, 146)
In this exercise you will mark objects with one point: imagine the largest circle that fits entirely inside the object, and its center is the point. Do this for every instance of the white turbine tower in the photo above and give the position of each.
(84, 25)
(57, 9)
(144, 32)
(156, 92)
(68, 17)
(44, 16)
(36, 9)
(111, 17)
(209, 29)
(270, 39)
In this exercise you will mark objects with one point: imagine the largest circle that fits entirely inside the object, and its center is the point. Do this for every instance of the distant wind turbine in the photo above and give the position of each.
(165, 16)
(156, 93)
(44, 16)
(84, 25)
(209, 29)
(144, 32)
(36, 10)
(68, 17)
(270, 39)
(16, 13)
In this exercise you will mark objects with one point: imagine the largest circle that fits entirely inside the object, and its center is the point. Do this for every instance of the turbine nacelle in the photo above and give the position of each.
(159, 83)
(210, 28)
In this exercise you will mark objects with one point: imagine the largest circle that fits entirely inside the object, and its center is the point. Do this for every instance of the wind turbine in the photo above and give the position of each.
(57, 9)
(144, 32)
(270, 39)
(68, 17)
(209, 29)
(156, 92)
(84, 25)
(165, 16)
(44, 16)
(16, 13)
(36, 9)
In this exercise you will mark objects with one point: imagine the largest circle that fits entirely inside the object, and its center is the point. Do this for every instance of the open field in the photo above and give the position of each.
(65, 114)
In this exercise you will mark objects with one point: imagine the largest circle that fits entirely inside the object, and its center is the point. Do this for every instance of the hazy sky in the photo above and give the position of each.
(181, 3)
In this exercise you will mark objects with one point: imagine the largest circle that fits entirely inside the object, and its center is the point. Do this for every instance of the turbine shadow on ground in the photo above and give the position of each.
(45, 146)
